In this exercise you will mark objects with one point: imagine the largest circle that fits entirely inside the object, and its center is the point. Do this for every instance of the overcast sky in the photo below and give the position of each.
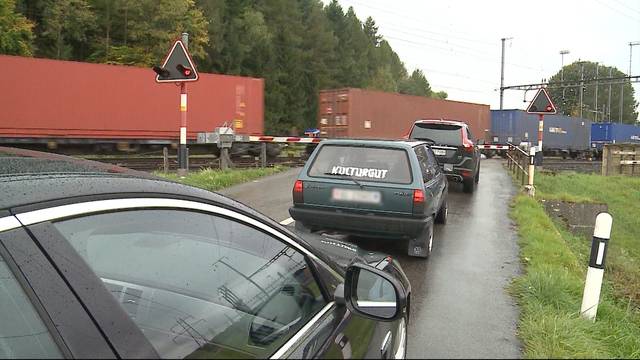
(457, 42)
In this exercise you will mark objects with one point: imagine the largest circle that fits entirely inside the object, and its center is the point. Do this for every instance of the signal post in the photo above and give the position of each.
(178, 67)
(540, 105)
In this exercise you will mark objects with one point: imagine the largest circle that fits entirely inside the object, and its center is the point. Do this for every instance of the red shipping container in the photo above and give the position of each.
(45, 98)
(358, 113)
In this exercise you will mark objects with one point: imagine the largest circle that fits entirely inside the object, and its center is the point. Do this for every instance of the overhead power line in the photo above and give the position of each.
(575, 83)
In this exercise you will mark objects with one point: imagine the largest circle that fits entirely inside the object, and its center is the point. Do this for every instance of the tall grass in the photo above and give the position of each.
(555, 261)
(213, 179)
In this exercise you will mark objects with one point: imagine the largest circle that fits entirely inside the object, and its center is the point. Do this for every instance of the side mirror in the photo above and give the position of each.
(374, 293)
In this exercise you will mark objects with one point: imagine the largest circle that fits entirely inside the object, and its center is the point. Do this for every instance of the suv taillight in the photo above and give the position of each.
(298, 192)
(468, 147)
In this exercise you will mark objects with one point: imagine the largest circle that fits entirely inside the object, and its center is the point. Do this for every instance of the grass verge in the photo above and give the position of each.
(213, 179)
(555, 263)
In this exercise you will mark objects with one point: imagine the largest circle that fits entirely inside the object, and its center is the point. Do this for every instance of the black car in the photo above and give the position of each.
(453, 146)
(373, 188)
(98, 261)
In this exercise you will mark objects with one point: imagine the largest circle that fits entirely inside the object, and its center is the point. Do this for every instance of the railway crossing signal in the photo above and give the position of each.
(177, 66)
(541, 104)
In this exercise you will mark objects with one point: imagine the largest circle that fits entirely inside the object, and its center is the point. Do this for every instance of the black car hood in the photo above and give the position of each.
(341, 252)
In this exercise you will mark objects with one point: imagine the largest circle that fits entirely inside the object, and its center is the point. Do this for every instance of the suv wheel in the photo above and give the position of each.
(443, 213)
(421, 245)
(469, 185)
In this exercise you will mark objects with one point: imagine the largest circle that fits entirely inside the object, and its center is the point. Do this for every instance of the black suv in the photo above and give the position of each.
(451, 143)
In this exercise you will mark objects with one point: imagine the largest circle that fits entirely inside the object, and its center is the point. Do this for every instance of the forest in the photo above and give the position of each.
(298, 46)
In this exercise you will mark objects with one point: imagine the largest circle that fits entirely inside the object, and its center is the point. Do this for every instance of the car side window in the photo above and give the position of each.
(433, 161)
(470, 135)
(199, 285)
(22, 332)
(423, 160)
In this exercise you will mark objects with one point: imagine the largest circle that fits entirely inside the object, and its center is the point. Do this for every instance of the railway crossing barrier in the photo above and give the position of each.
(224, 137)
(522, 164)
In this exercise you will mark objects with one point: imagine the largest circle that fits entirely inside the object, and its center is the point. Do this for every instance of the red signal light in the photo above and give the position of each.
(297, 187)
(184, 70)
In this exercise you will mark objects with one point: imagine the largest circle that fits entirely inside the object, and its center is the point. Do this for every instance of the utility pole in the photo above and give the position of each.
(502, 73)
(631, 45)
(581, 85)
(562, 54)
(596, 95)
(609, 101)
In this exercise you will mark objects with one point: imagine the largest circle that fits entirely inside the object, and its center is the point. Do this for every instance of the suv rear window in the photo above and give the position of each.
(444, 134)
(362, 163)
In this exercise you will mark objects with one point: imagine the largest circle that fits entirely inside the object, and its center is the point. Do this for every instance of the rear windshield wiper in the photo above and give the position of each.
(426, 139)
(348, 177)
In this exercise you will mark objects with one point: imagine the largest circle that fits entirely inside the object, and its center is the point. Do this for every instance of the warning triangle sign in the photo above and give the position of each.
(541, 104)
(177, 66)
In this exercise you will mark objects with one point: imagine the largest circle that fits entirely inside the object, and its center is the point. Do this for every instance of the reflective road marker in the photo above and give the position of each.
(595, 272)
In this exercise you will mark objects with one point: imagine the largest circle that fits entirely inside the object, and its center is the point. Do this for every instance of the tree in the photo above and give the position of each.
(383, 80)
(606, 110)
(371, 30)
(416, 84)
(16, 32)
(442, 95)
(66, 25)
(140, 32)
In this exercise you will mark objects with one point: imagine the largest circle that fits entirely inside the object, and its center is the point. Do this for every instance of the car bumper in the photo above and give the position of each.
(360, 224)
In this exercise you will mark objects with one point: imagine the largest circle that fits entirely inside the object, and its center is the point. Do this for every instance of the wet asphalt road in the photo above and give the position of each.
(460, 307)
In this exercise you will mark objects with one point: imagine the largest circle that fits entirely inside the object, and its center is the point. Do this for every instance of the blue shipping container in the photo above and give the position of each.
(560, 132)
(612, 133)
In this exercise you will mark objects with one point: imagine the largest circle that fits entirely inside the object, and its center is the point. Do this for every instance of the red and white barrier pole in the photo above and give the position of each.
(182, 150)
(595, 272)
(540, 131)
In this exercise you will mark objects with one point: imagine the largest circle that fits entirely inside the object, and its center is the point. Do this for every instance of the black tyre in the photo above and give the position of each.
(302, 228)
(469, 185)
(441, 218)
(421, 245)
(477, 177)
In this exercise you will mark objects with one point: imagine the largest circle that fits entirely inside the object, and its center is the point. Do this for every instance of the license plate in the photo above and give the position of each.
(448, 167)
(361, 196)
(439, 152)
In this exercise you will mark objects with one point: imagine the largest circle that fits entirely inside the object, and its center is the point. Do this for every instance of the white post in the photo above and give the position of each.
(595, 272)
(531, 191)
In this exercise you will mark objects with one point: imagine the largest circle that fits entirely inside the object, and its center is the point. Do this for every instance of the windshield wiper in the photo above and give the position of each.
(426, 139)
(348, 177)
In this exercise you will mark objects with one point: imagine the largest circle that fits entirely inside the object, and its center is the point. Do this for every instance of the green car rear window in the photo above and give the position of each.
(362, 163)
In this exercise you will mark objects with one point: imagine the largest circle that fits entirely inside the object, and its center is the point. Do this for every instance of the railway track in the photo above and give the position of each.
(156, 163)
(582, 166)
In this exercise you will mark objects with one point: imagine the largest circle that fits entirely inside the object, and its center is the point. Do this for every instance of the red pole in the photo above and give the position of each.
(540, 131)
(182, 151)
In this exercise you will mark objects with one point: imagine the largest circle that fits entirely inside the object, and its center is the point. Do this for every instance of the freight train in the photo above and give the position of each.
(564, 136)
(75, 107)
(359, 113)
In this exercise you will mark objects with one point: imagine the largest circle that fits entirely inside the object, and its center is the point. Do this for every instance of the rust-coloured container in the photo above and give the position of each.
(53, 99)
(358, 113)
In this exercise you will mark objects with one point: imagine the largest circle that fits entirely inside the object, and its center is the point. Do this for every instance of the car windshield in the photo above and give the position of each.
(362, 163)
(445, 134)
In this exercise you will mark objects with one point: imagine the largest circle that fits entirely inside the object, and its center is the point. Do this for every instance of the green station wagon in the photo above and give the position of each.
(373, 188)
